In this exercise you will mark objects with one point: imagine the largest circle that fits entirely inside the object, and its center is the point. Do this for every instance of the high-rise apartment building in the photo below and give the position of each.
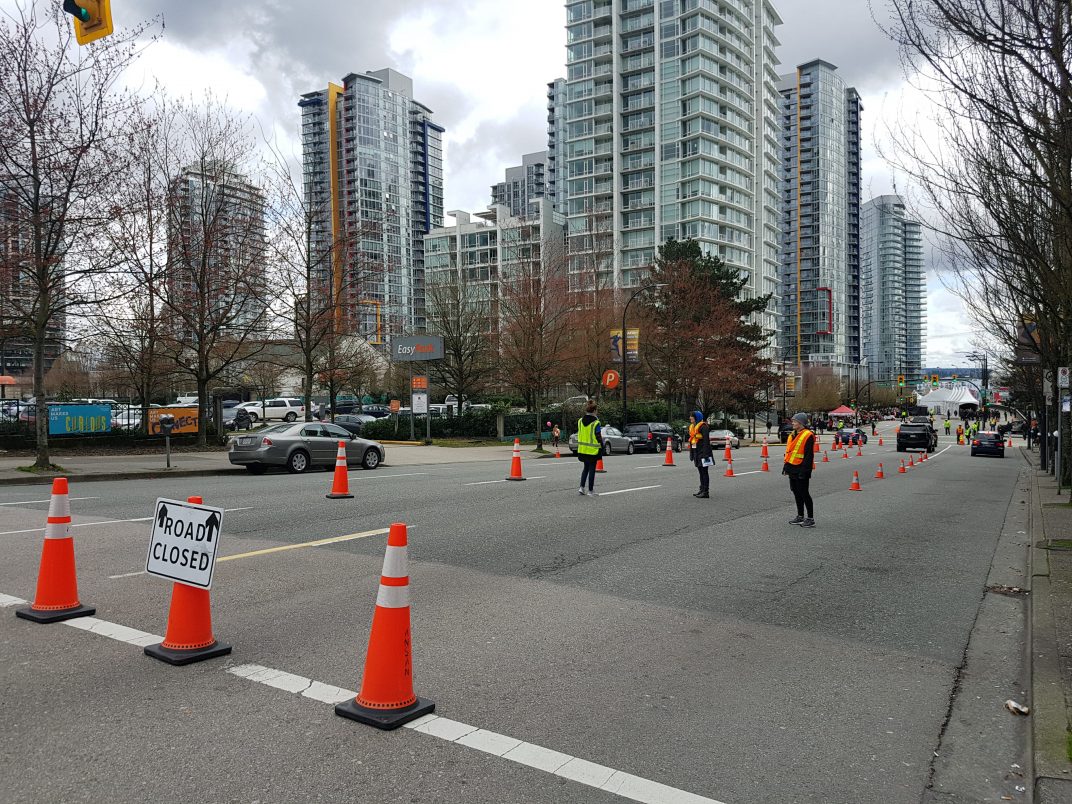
(820, 212)
(894, 295)
(556, 143)
(671, 130)
(373, 183)
(217, 248)
(523, 186)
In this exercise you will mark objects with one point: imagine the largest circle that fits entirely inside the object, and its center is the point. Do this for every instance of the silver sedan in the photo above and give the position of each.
(720, 439)
(613, 441)
(301, 445)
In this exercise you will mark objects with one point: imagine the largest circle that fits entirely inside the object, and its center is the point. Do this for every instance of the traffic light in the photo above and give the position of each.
(900, 381)
(934, 381)
(954, 376)
(92, 19)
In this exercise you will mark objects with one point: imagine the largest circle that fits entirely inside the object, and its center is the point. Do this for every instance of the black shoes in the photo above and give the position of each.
(703, 495)
(808, 523)
(796, 520)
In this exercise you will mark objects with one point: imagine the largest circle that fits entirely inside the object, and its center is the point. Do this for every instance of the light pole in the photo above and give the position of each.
(623, 345)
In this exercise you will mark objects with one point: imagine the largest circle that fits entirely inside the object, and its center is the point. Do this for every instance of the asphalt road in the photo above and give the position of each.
(704, 645)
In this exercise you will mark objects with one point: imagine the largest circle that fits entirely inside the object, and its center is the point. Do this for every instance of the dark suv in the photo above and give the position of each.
(913, 437)
(652, 436)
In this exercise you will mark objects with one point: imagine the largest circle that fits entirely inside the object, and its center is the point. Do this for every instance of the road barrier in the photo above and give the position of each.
(56, 598)
(386, 699)
(340, 484)
(188, 638)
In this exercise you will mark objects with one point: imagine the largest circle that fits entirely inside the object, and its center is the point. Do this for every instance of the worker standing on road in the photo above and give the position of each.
(700, 449)
(799, 462)
(948, 424)
(589, 445)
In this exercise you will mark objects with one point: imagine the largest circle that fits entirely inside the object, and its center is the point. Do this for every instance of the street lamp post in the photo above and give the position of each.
(623, 348)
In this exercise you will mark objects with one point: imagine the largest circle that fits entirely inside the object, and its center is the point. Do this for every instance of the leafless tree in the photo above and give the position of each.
(64, 125)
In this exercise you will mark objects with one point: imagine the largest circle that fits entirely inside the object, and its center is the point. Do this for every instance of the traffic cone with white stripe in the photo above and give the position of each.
(669, 461)
(765, 454)
(387, 700)
(727, 456)
(765, 468)
(515, 462)
(859, 449)
(340, 486)
(855, 485)
(911, 460)
(57, 582)
(816, 450)
(599, 466)
(729, 470)
(880, 475)
(826, 457)
(558, 452)
(902, 470)
(188, 638)
(923, 456)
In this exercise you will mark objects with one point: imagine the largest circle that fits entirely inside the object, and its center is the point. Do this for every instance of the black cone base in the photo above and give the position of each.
(181, 657)
(57, 616)
(334, 496)
(516, 478)
(386, 719)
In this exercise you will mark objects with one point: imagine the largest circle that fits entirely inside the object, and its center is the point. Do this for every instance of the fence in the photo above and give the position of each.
(82, 419)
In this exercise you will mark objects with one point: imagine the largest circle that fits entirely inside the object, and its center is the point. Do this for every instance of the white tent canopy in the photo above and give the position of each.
(949, 398)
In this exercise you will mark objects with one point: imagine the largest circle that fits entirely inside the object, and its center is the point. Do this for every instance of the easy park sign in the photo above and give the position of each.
(423, 347)
(183, 543)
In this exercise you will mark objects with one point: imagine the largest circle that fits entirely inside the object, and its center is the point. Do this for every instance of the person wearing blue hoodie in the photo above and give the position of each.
(702, 455)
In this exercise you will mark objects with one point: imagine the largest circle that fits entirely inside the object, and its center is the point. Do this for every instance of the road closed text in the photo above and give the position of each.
(183, 543)
(180, 557)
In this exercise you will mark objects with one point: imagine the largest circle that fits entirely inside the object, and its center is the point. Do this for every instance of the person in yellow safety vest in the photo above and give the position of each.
(589, 446)
(700, 452)
(799, 462)
(948, 424)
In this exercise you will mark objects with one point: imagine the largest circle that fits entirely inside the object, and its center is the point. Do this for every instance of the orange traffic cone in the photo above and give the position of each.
(558, 453)
(765, 467)
(515, 462)
(911, 460)
(387, 700)
(923, 456)
(845, 452)
(729, 470)
(880, 442)
(340, 486)
(599, 466)
(880, 475)
(1009, 445)
(855, 485)
(859, 449)
(727, 455)
(669, 452)
(837, 441)
(188, 638)
(826, 457)
(902, 470)
(765, 454)
(57, 582)
(816, 450)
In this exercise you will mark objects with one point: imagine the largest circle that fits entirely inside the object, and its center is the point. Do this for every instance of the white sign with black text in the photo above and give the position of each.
(183, 543)
(419, 402)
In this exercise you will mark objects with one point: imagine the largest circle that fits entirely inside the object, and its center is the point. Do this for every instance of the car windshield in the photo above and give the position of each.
(279, 428)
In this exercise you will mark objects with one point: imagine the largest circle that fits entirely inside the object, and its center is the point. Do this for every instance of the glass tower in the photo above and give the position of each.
(820, 251)
(671, 130)
(894, 281)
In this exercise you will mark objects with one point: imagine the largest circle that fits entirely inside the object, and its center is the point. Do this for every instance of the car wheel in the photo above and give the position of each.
(629, 449)
(255, 468)
(290, 417)
(370, 460)
(973, 453)
(677, 447)
(606, 448)
(298, 462)
(253, 416)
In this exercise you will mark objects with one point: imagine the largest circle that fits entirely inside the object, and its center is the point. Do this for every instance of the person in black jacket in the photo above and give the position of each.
(702, 456)
(798, 465)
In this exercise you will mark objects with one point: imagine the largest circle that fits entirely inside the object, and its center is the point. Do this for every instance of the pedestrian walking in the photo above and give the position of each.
(799, 462)
(700, 449)
(589, 445)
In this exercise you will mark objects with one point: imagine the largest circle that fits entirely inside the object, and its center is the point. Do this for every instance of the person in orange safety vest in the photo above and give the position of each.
(799, 462)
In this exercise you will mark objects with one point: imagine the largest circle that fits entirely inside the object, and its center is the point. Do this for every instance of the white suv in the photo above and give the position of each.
(286, 409)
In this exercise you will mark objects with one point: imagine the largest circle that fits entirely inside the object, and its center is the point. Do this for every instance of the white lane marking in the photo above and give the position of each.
(626, 491)
(489, 482)
(34, 502)
(754, 472)
(655, 466)
(108, 522)
(591, 774)
(10, 600)
(385, 477)
(126, 575)
(120, 633)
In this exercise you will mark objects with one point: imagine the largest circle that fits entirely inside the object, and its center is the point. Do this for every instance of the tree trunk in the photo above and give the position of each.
(539, 423)
(202, 412)
(41, 413)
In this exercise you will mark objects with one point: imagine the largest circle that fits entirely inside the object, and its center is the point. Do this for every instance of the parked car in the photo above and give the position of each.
(353, 422)
(299, 446)
(988, 443)
(288, 409)
(848, 434)
(912, 437)
(652, 436)
(614, 440)
(237, 419)
(379, 411)
(720, 439)
(785, 429)
(252, 408)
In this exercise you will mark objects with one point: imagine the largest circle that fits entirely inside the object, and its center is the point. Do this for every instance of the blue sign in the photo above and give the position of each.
(76, 419)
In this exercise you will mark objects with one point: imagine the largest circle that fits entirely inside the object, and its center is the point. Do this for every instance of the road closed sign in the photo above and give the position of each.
(183, 543)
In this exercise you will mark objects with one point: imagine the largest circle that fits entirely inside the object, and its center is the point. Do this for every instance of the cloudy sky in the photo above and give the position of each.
(482, 66)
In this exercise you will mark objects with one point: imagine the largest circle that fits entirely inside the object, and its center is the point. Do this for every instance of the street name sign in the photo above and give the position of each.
(182, 546)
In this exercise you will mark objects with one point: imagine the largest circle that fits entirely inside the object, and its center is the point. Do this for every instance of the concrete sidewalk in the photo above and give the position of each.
(1051, 637)
(191, 464)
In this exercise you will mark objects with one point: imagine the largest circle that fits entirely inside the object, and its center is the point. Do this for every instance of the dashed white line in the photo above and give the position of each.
(489, 482)
(10, 600)
(385, 477)
(626, 491)
(35, 502)
(107, 522)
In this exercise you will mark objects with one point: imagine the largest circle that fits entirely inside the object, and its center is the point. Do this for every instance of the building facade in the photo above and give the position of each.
(556, 142)
(481, 250)
(671, 131)
(820, 212)
(373, 184)
(523, 186)
(217, 249)
(894, 295)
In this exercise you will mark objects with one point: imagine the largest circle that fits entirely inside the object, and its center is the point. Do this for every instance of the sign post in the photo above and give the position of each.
(419, 402)
(418, 349)
(167, 424)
